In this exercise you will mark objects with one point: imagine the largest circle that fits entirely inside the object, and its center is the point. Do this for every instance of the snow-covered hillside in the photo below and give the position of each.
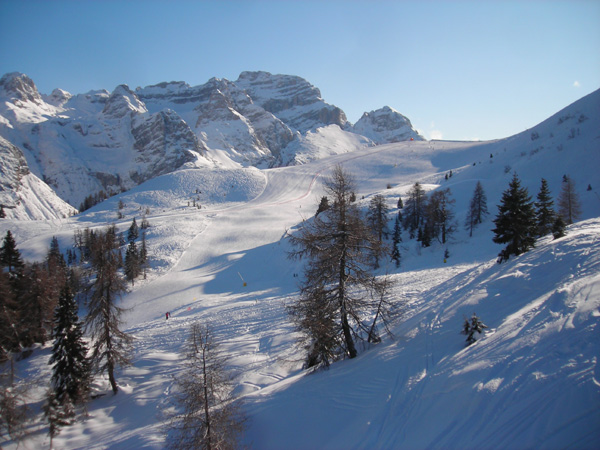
(531, 381)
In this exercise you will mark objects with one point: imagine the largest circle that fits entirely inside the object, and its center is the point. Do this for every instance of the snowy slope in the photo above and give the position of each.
(532, 381)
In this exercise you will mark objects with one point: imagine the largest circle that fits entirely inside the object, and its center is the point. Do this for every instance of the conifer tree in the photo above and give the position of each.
(414, 210)
(440, 216)
(339, 245)
(396, 239)
(10, 256)
(569, 206)
(71, 371)
(544, 210)
(133, 232)
(323, 205)
(477, 209)
(515, 222)
(377, 218)
(111, 347)
(209, 417)
(132, 262)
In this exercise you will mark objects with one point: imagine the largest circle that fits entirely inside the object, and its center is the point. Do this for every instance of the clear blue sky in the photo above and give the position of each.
(457, 70)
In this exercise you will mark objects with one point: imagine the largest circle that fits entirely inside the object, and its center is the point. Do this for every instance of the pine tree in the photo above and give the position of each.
(477, 209)
(475, 325)
(132, 262)
(439, 215)
(396, 239)
(545, 215)
(133, 232)
(71, 371)
(9, 318)
(569, 206)
(111, 347)
(558, 227)
(209, 417)
(323, 205)
(377, 218)
(515, 222)
(414, 210)
(10, 256)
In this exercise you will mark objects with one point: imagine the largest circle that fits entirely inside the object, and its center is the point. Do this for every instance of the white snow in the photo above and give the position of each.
(532, 380)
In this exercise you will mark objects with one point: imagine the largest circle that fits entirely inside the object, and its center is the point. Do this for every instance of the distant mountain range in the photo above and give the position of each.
(81, 144)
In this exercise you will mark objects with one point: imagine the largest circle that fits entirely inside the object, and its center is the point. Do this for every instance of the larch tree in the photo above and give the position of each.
(338, 245)
(111, 347)
(515, 222)
(440, 216)
(206, 416)
(569, 206)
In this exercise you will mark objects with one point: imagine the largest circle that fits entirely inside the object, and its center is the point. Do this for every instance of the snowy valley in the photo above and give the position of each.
(230, 169)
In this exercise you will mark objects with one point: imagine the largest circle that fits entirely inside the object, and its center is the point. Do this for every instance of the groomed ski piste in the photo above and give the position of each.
(532, 380)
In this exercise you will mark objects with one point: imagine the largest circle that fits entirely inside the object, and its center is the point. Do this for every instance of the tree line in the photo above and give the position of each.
(342, 302)
(39, 302)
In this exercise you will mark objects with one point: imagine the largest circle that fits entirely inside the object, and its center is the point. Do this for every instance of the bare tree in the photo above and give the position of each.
(569, 207)
(339, 246)
(477, 209)
(207, 415)
(111, 347)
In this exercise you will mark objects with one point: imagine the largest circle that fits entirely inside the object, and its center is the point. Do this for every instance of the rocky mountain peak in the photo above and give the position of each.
(386, 125)
(58, 97)
(19, 86)
(123, 101)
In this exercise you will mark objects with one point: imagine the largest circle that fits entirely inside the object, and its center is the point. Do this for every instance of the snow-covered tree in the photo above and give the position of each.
(515, 222)
(470, 327)
(70, 367)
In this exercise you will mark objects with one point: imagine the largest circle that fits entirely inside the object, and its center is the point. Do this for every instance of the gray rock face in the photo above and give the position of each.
(386, 125)
(18, 86)
(292, 99)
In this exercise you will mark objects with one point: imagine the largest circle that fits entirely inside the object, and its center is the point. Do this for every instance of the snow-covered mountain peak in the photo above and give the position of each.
(123, 101)
(18, 86)
(292, 99)
(58, 97)
(386, 125)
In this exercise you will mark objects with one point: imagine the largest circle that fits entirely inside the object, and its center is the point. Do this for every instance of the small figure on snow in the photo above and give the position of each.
(472, 326)
(167, 314)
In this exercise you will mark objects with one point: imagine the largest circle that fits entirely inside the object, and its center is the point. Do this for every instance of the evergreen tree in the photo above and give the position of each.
(143, 255)
(475, 325)
(515, 222)
(132, 262)
(70, 372)
(396, 239)
(9, 318)
(569, 206)
(440, 217)
(323, 205)
(10, 256)
(477, 209)
(400, 204)
(414, 210)
(558, 227)
(2, 213)
(111, 347)
(133, 232)
(544, 210)
(377, 218)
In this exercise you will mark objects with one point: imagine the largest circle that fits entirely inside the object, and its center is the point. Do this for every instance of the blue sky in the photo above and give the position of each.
(457, 70)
